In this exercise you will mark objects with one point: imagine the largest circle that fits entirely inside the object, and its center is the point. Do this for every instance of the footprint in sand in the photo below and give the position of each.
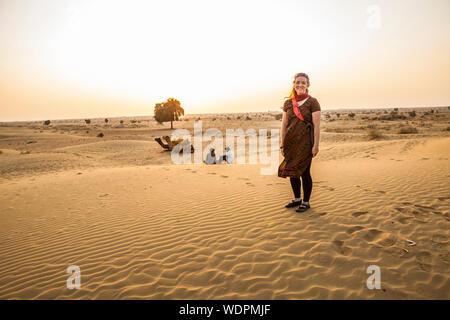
(323, 213)
(404, 220)
(250, 184)
(381, 191)
(338, 246)
(213, 173)
(359, 213)
(387, 240)
(246, 179)
(354, 229)
(372, 234)
(424, 258)
(224, 176)
(438, 238)
(443, 198)
(420, 216)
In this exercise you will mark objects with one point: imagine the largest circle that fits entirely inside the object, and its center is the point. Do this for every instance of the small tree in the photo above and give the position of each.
(170, 110)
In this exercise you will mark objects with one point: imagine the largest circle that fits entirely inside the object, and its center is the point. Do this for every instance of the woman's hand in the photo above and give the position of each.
(315, 150)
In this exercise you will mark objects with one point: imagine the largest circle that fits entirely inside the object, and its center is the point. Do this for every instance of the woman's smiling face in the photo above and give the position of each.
(301, 84)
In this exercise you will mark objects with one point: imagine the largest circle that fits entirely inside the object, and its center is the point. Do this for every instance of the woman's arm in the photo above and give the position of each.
(284, 122)
(316, 121)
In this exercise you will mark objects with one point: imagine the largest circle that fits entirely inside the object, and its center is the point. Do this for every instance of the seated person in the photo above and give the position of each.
(228, 156)
(210, 157)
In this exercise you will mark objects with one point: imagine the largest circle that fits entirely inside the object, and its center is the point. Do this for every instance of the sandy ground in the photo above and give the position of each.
(141, 227)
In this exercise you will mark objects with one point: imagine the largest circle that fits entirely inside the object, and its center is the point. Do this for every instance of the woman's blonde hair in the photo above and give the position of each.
(301, 74)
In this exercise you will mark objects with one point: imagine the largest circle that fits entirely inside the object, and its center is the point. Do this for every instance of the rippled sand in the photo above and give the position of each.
(222, 232)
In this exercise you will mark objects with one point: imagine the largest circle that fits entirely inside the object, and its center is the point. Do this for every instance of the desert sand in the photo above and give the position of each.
(141, 227)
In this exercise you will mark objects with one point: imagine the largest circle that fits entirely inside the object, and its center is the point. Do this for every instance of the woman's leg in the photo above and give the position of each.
(307, 184)
(295, 184)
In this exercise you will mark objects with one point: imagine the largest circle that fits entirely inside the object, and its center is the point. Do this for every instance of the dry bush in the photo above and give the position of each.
(373, 134)
(407, 130)
(278, 116)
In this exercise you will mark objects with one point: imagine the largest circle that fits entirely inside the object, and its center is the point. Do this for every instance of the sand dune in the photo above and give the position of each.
(222, 232)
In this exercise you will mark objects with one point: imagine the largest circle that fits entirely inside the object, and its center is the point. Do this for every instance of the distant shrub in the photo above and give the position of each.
(238, 117)
(213, 119)
(338, 115)
(395, 110)
(448, 129)
(121, 121)
(46, 122)
(412, 114)
(407, 130)
(248, 118)
(100, 135)
(278, 116)
(133, 121)
(106, 120)
(373, 134)
(351, 115)
(88, 121)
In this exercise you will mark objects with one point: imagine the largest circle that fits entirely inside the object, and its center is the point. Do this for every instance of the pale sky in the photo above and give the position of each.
(75, 59)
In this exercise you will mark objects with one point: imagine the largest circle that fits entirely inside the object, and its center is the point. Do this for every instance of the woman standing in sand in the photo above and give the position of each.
(300, 134)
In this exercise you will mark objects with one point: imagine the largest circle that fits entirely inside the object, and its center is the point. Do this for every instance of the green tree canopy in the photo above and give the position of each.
(170, 110)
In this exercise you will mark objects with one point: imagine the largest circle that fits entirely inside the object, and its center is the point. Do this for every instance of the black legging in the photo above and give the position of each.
(307, 185)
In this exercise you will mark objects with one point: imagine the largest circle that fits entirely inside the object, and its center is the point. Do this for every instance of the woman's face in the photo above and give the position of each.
(300, 85)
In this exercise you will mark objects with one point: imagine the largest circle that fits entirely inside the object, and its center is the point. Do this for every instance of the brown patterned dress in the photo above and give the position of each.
(297, 141)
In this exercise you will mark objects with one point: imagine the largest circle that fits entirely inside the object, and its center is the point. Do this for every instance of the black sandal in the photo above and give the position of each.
(293, 203)
(303, 208)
